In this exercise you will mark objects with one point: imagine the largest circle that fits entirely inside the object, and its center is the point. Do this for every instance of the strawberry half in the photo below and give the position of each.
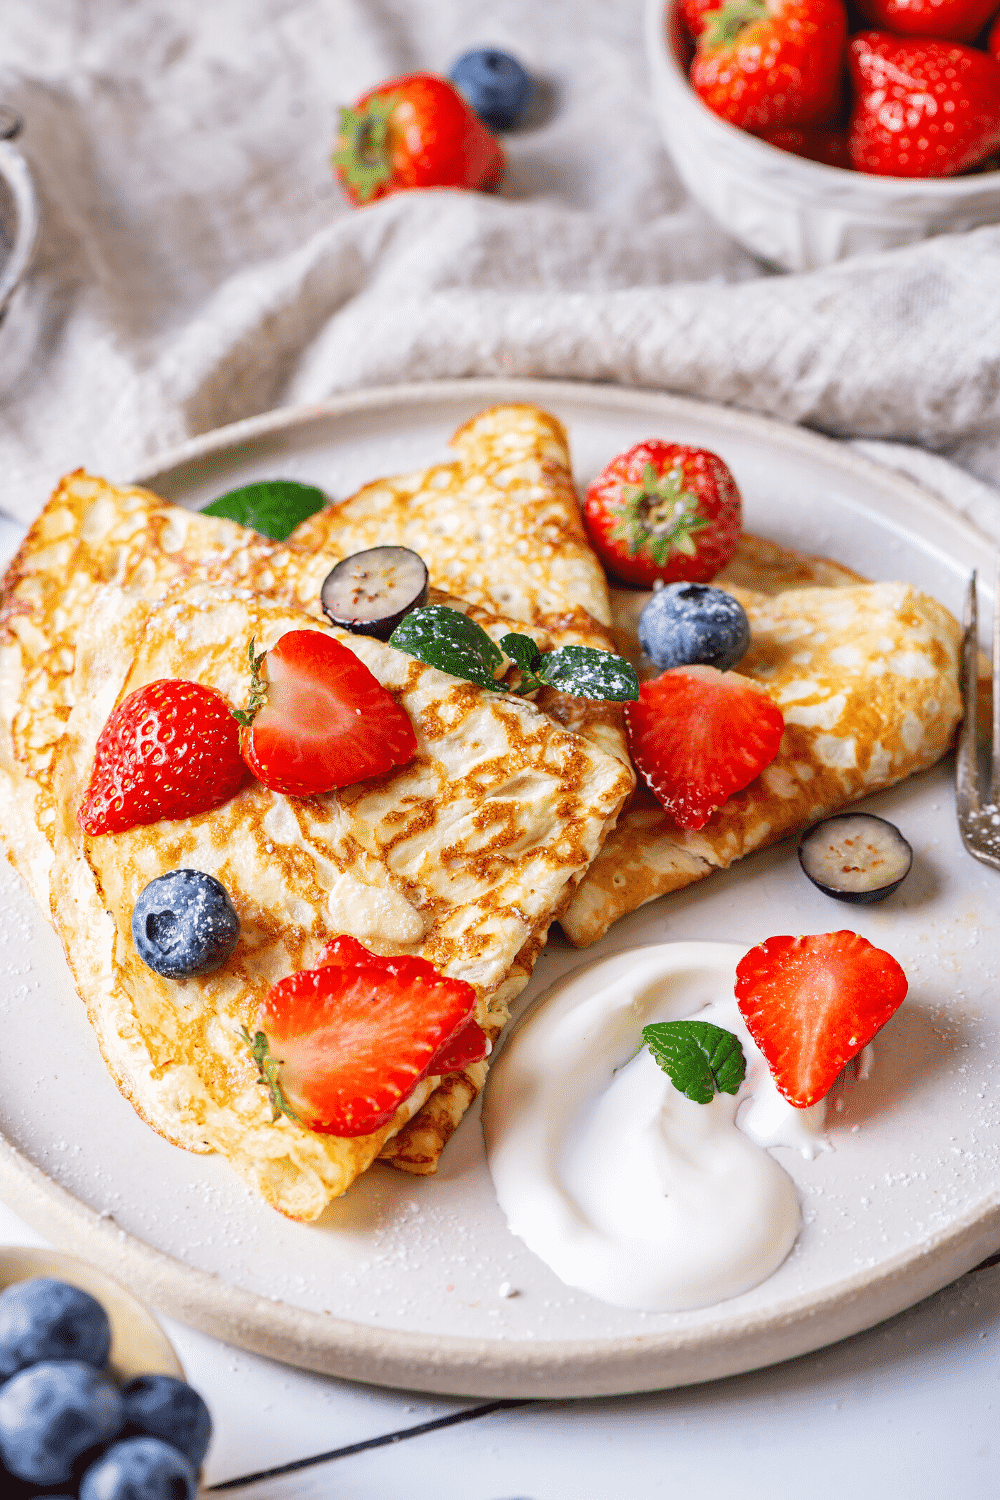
(171, 749)
(697, 735)
(321, 720)
(812, 1003)
(343, 1047)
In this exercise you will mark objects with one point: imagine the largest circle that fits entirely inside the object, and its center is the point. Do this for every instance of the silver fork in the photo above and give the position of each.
(978, 820)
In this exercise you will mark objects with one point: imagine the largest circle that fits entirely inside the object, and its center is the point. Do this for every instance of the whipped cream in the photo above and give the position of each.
(623, 1186)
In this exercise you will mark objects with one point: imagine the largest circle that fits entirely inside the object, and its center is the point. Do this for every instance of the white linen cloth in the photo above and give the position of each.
(198, 264)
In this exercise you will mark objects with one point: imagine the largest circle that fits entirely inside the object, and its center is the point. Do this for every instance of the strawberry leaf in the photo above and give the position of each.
(447, 639)
(274, 507)
(584, 672)
(268, 1068)
(701, 1059)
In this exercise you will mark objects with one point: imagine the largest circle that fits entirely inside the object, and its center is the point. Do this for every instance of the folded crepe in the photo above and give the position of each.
(463, 857)
(866, 676)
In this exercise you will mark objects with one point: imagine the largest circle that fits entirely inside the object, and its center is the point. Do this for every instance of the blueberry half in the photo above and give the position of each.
(51, 1414)
(855, 857)
(142, 1468)
(164, 1407)
(45, 1319)
(184, 924)
(692, 624)
(494, 84)
(372, 592)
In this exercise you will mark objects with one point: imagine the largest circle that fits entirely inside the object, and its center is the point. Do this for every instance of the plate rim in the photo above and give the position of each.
(455, 1365)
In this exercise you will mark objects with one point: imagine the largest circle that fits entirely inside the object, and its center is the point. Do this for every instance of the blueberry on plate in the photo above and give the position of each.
(495, 84)
(52, 1413)
(46, 1319)
(855, 857)
(164, 1407)
(689, 624)
(140, 1468)
(372, 592)
(184, 924)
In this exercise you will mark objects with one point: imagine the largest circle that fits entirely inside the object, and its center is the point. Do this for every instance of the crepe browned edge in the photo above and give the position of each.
(895, 710)
(92, 533)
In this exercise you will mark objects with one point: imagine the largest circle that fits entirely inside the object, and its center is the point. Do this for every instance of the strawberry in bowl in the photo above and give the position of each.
(664, 511)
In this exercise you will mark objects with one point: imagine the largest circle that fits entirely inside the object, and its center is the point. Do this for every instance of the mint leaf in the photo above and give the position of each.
(586, 673)
(274, 507)
(700, 1058)
(447, 639)
(525, 655)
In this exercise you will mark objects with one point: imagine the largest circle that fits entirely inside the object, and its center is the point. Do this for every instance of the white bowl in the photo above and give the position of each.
(794, 213)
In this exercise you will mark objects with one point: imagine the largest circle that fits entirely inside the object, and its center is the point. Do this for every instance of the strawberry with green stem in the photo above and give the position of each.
(664, 511)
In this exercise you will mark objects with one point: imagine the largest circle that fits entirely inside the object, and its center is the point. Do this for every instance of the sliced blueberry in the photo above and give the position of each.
(184, 924)
(688, 624)
(164, 1407)
(495, 84)
(372, 592)
(855, 857)
(45, 1319)
(52, 1413)
(141, 1468)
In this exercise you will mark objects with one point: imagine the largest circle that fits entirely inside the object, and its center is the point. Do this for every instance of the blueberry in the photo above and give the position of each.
(184, 924)
(47, 1319)
(495, 84)
(52, 1413)
(140, 1468)
(685, 624)
(163, 1407)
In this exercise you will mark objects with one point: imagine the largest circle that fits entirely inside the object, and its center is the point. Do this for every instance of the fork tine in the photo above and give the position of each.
(995, 762)
(967, 759)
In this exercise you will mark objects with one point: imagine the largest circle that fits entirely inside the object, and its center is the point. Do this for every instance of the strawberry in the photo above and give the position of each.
(171, 749)
(812, 1003)
(944, 20)
(767, 66)
(414, 132)
(697, 735)
(993, 40)
(469, 1045)
(321, 720)
(695, 14)
(826, 144)
(664, 511)
(922, 108)
(342, 1047)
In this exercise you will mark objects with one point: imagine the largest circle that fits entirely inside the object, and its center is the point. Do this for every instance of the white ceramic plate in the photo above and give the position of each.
(399, 1281)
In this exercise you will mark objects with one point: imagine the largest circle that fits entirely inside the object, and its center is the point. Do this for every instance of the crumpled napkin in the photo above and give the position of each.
(199, 265)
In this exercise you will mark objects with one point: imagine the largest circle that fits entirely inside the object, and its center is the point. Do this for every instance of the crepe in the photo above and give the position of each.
(462, 857)
(866, 676)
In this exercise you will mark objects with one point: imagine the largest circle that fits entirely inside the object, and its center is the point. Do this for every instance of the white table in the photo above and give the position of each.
(907, 1409)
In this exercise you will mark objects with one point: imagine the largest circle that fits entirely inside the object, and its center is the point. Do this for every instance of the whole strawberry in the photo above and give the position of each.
(664, 510)
(171, 749)
(416, 131)
(766, 66)
(822, 143)
(922, 108)
(944, 20)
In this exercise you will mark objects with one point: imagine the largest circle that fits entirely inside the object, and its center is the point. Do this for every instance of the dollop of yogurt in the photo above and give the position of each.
(624, 1187)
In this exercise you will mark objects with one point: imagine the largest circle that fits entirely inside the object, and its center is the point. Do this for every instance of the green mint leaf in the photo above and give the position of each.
(268, 1067)
(447, 639)
(274, 507)
(700, 1058)
(585, 673)
(525, 655)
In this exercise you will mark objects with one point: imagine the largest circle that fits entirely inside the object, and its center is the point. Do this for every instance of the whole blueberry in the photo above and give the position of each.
(53, 1412)
(140, 1468)
(162, 1406)
(47, 1319)
(495, 84)
(184, 924)
(685, 624)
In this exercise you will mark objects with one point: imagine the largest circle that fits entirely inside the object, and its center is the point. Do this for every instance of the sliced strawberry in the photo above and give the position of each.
(325, 721)
(812, 1003)
(171, 749)
(697, 735)
(349, 1044)
(347, 951)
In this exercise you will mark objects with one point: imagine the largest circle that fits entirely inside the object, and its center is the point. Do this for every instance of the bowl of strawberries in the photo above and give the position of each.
(812, 131)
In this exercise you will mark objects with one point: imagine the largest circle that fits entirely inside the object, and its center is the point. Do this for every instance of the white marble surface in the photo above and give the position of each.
(906, 1409)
